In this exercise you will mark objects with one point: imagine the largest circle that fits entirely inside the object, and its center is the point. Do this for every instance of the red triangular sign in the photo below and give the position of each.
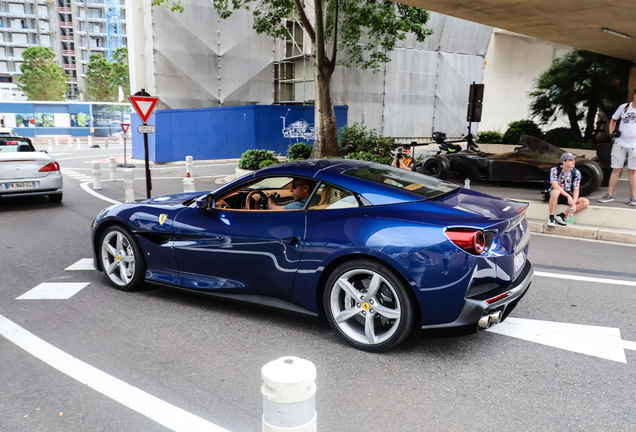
(144, 105)
(125, 126)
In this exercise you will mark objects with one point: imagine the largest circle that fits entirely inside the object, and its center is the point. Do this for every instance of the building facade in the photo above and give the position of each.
(73, 29)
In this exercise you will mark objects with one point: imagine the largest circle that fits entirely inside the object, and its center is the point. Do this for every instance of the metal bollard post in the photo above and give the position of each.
(188, 184)
(70, 143)
(112, 165)
(57, 141)
(79, 145)
(189, 163)
(106, 142)
(289, 395)
(129, 185)
(97, 176)
(50, 145)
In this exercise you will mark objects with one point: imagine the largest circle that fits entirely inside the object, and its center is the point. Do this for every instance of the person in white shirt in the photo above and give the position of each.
(624, 148)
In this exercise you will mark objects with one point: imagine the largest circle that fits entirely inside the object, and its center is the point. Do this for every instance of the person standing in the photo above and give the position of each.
(564, 189)
(2, 122)
(403, 159)
(624, 148)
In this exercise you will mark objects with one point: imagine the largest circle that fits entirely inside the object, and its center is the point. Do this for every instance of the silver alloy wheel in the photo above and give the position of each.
(118, 258)
(365, 306)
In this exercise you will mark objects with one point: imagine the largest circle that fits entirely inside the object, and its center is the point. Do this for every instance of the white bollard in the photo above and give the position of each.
(57, 141)
(188, 185)
(121, 141)
(70, 143)
(289, 395)
(112, 166)
(97, 176)
(106, 142)
(189, 163)
(79, 145)
(50, 145)
(129, 185)
(90, 141)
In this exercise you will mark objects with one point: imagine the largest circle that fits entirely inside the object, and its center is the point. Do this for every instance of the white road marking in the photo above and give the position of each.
(146, 404)
(602, 342)
(83, 264)
(97, 195)
(585, 278)
(54, 291)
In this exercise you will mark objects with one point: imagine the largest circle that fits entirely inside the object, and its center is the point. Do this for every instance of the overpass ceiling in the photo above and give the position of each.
(576, 23)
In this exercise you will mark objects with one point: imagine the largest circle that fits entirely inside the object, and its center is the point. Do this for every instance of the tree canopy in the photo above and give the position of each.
(42, 79)
(579, 86)
(120, 74)
(351, 33)
(97, 83)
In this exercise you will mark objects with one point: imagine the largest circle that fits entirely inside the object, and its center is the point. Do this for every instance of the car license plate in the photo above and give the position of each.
(519, 261)
(19, 185)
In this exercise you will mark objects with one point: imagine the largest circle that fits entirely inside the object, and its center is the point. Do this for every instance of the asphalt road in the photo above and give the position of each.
(203, 356)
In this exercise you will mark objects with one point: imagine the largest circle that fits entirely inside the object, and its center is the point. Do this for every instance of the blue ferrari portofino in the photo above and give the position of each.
(377, 250)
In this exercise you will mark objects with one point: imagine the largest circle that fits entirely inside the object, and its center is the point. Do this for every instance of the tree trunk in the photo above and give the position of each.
(574, 124)
(326, 141)
(589, 120)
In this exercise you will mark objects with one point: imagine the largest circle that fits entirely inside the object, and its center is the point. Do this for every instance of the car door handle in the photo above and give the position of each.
(292, 241)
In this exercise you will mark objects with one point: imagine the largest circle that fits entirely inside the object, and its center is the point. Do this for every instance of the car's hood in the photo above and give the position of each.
(173, 199)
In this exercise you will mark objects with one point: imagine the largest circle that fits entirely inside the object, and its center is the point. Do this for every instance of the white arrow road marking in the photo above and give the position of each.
(83, 264)
(146, 404)
(585, 278)
(602, 342)
(54, 291)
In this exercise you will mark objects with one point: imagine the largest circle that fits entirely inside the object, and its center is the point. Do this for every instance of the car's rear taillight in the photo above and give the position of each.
(12, 143)
(472, 241)
(53, 166)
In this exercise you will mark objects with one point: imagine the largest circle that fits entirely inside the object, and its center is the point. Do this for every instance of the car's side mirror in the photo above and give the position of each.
(205, 202)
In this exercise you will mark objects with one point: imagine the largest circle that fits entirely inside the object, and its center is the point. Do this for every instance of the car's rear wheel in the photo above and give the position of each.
(368, 306)
(55, 198)
(591, 176)
(436, 166)
(122, 258)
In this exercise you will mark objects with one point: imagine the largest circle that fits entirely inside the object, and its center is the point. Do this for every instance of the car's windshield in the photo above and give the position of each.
(13, 145)
(419, 184)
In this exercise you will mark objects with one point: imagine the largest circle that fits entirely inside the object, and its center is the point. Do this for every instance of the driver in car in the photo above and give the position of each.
(300, 190)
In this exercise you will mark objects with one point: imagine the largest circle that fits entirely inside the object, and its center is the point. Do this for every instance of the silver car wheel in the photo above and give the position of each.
(365, 307)
(118, 258)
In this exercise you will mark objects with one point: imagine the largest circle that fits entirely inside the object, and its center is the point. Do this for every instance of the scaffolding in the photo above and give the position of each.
(293, 73)
(113, 27)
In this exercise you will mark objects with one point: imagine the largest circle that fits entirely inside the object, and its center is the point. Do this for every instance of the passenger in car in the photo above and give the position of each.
(300, 189)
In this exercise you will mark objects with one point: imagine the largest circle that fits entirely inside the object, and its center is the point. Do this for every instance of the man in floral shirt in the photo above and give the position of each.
(564, 189)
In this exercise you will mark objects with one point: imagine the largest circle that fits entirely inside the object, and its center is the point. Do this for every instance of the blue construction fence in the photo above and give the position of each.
(226, 132)
(31, 119)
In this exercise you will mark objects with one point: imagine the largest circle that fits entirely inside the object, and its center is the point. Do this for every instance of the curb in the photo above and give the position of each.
(585, 231)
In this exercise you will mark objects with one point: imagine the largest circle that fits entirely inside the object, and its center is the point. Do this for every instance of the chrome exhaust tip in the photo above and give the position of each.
(487, 321)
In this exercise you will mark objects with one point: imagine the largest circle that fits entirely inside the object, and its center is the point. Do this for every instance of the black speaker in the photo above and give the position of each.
(475, 100)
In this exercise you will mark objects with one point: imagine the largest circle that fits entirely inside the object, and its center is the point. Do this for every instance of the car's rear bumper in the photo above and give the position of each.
(489, 303)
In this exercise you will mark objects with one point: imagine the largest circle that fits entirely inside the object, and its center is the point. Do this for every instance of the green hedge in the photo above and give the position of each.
(251, 159)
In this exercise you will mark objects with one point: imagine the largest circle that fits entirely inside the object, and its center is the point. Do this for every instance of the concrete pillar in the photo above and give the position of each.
(50, 145)
(188, 184)
(112, 166)
(189, 164)
(129, 185)
(79, 144)
(289, 395)
(97, 176)
(57, 141)
(70, 143)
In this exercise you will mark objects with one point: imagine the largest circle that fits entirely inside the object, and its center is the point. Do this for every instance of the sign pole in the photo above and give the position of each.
(145, 104)
(124, 127)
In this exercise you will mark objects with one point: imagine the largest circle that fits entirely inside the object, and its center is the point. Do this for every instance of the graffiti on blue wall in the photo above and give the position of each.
(300, 129)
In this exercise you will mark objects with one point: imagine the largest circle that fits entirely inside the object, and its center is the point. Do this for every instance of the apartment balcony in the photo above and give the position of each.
(68, 53)
(64, 10)
(69, 66)
(71, 81)
(66, 24)
(67, 39)
(19, 15)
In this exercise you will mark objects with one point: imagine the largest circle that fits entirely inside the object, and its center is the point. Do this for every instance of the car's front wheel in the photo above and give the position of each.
(122, 258)
(368, 306)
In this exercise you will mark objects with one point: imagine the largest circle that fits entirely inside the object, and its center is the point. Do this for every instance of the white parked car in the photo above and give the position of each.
(27, 172)
(8, 132)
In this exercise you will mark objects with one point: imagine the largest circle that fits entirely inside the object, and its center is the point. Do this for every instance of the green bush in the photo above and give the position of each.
(266, 163)
(370, 157)
(251, 159)
(299, 151)
(589, 145)
(357, 138)
(489, 137)
(561, 136)
(518, 128)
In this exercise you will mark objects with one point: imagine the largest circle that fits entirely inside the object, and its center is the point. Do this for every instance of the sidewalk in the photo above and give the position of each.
(614, 221)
